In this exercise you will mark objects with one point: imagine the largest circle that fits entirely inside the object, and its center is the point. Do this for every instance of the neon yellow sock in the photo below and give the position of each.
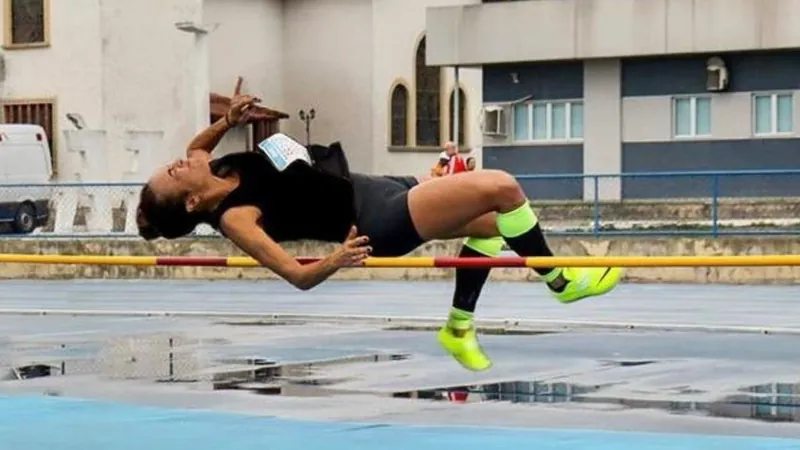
(489, 247)
(459, 319)
(514, 224)
(517, 222)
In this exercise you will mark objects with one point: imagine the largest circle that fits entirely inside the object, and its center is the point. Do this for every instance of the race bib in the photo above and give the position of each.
(282, 151)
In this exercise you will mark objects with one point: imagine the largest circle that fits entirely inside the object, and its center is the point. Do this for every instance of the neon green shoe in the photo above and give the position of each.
(588, 282)
(465, 349)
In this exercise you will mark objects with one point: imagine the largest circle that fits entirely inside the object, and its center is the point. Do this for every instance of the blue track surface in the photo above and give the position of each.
(46, 423)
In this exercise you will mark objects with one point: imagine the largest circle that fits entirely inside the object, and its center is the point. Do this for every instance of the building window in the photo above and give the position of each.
(26, 23)
(691, 116)
(548, 121)
(399, 111)
(462, 115)
(522, 128)
(427, 86)
(773, 114)
(33, 113)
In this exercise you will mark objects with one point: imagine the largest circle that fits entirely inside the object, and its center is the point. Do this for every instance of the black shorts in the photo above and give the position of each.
(383, 215)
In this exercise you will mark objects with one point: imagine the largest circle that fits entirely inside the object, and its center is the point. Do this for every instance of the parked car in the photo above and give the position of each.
(24, 160)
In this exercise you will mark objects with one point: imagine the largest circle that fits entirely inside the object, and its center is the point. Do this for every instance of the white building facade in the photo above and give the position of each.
(632, 86)
(123, 66)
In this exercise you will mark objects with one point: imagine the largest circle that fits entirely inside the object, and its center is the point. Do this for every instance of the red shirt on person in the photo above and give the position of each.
(457, 164)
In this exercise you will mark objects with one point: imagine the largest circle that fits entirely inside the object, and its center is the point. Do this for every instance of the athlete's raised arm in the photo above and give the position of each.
(207, 140)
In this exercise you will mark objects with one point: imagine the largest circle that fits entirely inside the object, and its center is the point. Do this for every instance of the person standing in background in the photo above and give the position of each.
(456, 163)
(471, 164)
(441, 167)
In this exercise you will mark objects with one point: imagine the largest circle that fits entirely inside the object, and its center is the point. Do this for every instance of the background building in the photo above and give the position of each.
(597, 86)
(123, 65)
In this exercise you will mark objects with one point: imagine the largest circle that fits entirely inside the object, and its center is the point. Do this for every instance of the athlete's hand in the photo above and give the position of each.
(240, 108)
(353, 251)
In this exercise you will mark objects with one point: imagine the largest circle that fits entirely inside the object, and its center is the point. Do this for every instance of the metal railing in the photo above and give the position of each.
(696, 203)
(692, 203)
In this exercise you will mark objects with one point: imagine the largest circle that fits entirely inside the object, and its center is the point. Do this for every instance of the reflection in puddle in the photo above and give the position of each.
(301, 371)
(771, 401)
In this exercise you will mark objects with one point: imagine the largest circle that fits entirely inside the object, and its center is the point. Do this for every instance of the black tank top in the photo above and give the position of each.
(300, 203)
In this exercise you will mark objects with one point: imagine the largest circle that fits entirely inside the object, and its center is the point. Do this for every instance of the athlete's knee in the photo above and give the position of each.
(503, 189)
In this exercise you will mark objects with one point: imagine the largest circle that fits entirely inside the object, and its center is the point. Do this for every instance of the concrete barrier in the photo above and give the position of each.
(561, 246)
(659, 210)
(657, 214)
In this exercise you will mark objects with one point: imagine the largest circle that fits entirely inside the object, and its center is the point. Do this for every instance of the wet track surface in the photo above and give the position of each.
(696, 382)
(772, 306)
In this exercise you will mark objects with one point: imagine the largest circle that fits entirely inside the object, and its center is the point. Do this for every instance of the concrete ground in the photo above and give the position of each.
(693, 355)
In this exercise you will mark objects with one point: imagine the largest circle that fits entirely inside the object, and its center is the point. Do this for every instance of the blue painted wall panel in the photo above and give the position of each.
(755, 71)
(754, 154)
(551, 159)
(544, 81)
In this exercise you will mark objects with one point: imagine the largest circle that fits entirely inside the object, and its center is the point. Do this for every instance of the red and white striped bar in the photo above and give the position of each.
(421, 261)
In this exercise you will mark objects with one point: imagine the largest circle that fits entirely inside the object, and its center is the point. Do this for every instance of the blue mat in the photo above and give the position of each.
(46, 423)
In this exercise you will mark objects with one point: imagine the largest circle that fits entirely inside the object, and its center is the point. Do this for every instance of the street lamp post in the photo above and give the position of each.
(307, 117)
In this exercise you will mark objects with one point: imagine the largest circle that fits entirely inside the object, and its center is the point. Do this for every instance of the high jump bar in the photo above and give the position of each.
(421, 262)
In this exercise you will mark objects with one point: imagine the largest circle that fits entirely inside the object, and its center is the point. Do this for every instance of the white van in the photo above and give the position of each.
(24, 160)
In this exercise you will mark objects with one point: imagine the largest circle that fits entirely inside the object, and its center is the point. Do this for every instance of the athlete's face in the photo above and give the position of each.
(183, 180)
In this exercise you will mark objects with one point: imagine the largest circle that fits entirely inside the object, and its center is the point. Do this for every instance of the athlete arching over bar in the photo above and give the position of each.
(257, 204)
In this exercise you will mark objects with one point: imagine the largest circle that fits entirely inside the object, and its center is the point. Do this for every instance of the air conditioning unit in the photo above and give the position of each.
(494, 121)
(717, 77)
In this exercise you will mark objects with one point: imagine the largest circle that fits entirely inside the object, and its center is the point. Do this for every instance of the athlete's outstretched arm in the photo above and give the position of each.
(240, 225)
(207, 140)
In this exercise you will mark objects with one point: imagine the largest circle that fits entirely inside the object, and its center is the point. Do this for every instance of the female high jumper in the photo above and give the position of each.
(259, 199)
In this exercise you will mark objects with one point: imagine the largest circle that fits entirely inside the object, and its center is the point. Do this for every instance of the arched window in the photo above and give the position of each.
(462, 115)
(427, 86)
(399, 111)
